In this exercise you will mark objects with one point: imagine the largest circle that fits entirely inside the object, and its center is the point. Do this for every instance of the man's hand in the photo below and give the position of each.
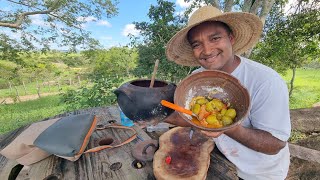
(176, 119)
(217, 134)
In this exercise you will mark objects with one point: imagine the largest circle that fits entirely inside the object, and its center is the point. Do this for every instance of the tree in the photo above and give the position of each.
(154, 36)
(292, 41)
(116, 61)
(63, 19)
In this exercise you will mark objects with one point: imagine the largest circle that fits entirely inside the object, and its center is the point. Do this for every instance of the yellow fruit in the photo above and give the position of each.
(202, 101)
(219, 116)
(217, 104)
(209, 107)
(223, 112)
(226, 120)
(231, 113)
(212, 119)
(196, 108)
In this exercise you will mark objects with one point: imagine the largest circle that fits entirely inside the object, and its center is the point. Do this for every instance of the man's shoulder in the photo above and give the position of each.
(256, 69)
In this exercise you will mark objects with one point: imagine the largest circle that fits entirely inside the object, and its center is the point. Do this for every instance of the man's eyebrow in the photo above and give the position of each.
(215, 34)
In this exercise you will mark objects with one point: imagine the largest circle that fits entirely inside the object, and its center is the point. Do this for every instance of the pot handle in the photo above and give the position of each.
(118, 91)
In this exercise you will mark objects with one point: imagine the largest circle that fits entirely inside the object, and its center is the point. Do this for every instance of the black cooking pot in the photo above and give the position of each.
(141, 103)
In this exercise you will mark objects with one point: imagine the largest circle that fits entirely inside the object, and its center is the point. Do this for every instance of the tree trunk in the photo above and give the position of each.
(216, 4)
(10, 86)
(17, 94)
(246, 5)
(228, 5)
(292, 80)
(24, 87)
(38, 89)
(255, 6)
(79, 81)
(266, 7)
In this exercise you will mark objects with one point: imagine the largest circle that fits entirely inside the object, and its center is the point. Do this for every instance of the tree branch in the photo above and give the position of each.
(266, 7)
(228, 5)
(246, 5)
(215, 3)
(20, 18)
(255, 6)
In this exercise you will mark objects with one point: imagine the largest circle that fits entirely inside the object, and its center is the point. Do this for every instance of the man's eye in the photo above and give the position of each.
(216, 38)
(194, 46)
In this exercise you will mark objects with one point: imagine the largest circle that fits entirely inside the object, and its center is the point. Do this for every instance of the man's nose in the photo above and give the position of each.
(207, 49)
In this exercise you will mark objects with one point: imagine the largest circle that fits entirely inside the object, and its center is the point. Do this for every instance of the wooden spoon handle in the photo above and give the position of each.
(154, 73)
(176, 107)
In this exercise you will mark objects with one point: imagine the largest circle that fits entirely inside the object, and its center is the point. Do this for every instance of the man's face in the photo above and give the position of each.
(212, 46)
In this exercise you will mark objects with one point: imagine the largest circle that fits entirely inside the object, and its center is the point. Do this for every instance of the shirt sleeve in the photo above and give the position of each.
(270, 109)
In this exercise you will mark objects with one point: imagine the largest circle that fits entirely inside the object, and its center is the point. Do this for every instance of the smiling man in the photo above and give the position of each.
(214, 41)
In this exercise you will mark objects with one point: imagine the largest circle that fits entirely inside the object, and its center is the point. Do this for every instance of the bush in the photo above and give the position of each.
(100, 94)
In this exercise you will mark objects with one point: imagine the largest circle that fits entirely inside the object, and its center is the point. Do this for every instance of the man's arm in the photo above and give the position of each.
(255, 139)
(175, 119)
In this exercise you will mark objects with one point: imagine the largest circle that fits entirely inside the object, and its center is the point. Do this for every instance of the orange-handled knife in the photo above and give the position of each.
(177, 108)
(180, 109)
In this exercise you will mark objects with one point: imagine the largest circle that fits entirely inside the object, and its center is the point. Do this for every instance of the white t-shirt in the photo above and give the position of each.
(266, 89)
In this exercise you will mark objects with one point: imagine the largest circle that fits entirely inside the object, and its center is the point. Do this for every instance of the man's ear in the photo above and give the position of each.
(231, 38)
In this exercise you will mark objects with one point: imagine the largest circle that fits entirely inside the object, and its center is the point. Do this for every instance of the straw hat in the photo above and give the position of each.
(246, 28)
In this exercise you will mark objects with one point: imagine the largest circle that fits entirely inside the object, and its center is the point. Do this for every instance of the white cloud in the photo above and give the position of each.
(38, 20)
(183, 4)
(11, 34)
(130, 29)
(86, 19)
(104, 23)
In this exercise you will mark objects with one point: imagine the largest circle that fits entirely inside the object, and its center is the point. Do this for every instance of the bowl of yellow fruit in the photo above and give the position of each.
(217, 99)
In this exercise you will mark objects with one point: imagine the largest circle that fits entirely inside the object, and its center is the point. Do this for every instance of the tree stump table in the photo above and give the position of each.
(115, 163)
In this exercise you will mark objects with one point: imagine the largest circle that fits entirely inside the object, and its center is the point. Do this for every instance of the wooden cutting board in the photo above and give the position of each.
(189, 159)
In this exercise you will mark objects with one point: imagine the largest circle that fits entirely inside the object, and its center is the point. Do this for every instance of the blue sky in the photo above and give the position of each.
(110, 32)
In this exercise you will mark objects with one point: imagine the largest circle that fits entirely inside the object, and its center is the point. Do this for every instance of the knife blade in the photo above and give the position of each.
(191, 133)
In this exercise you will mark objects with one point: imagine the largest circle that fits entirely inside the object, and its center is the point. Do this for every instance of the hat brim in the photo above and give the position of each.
(246, 28)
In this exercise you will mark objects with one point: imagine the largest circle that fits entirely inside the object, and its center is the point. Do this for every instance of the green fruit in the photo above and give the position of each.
(217, 104)
(231, 113)
(223, 112)
(202, 101)
(226, 120)
(212, 119)
(196, 108)
(209, 107)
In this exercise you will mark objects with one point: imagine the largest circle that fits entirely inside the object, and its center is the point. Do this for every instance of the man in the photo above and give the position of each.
(258, 147)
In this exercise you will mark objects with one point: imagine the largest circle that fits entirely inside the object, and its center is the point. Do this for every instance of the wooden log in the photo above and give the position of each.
(304, 153)
(305, 120)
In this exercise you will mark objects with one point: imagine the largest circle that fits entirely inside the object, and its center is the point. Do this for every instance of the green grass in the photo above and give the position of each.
(306, 90)
(16, 115)
(32, 89)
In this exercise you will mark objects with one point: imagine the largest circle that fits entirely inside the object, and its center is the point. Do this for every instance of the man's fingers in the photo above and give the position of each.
(212, 134)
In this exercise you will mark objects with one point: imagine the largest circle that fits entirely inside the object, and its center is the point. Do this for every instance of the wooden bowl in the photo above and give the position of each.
(219, 85)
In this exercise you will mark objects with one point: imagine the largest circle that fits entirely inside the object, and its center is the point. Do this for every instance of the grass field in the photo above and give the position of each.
(19, 114)
(306, 90)
(305, 94)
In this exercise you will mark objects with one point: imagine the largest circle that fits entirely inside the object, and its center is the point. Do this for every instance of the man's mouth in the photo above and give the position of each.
(211, 58)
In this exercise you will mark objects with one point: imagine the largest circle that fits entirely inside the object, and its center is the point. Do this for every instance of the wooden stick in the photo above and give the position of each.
(154, 73)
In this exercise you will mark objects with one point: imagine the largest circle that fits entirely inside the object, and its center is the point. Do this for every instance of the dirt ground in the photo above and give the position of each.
(25, 98)
(302, 169)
